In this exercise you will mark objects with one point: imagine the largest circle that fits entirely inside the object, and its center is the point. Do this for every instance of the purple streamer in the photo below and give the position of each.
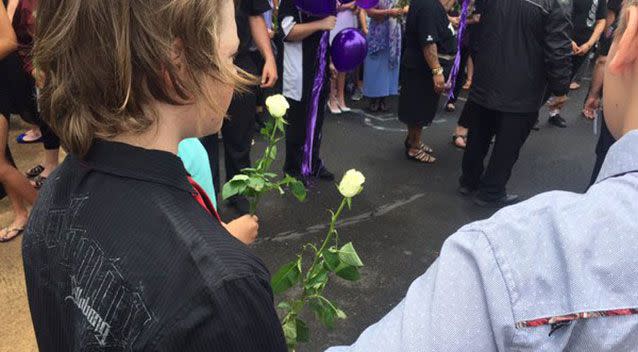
(457, 60)
(311, 121)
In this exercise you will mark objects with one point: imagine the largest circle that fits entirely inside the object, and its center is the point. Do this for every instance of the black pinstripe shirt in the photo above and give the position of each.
(119, 256)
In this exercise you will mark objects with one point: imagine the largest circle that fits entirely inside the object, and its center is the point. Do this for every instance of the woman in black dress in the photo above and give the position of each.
(14, 98)
(430, 49)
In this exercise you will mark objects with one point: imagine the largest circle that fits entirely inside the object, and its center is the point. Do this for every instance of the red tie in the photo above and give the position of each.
(202, 198)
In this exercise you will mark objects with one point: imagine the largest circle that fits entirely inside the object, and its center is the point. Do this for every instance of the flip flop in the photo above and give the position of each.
(5, 239)
(20, 139)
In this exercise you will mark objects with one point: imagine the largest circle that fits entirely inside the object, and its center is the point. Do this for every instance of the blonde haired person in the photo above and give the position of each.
(123, 250)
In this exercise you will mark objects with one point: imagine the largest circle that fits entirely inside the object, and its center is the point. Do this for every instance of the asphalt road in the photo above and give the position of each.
(407, 210)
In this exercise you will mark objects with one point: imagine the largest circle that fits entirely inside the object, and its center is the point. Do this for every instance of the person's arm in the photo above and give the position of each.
(428, 36)
(596, 89)
(431, 54)
(8, 40)
(558, 50)
(237, 315)
(595, 37)
(461, 303)
(261, 38)
(363, 20)
(296, 32)
(382, 14)
(346, 6)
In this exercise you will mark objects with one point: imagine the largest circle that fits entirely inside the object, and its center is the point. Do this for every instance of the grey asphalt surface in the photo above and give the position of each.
(407, 210)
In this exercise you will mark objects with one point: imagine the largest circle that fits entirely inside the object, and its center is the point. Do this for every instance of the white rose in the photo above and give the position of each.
(277, 105)
(352, 183)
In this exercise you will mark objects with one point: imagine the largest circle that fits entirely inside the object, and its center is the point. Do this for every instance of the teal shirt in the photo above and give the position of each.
(196, 162)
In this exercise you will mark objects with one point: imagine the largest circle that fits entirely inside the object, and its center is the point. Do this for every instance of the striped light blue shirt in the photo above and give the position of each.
(507, 283)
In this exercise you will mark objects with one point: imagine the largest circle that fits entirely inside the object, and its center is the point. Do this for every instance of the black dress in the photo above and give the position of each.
(427, 23)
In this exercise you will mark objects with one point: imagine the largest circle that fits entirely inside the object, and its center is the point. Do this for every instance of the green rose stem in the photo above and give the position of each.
(331, 232)
(253, 183)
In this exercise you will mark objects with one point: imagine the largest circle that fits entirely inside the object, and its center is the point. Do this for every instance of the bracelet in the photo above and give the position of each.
(437, 71)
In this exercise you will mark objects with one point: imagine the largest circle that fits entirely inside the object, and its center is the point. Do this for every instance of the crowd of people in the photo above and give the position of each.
(137, 93)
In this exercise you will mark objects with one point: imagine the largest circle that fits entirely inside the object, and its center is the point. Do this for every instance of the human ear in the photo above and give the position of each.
(627, 46)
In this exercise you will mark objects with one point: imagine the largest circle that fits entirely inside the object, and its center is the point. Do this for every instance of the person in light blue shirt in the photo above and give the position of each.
(196, 162)
(558, 272)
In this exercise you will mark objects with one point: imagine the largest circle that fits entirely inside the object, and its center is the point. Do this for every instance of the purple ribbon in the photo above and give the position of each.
(457, 59)
(311, 121)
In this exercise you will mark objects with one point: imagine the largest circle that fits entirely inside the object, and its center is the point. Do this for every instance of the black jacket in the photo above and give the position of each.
(120, 256)
(524, 49)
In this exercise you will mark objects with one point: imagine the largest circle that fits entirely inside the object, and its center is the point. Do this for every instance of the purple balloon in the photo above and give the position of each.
(319, 8)
(367, 4)
(349, 49)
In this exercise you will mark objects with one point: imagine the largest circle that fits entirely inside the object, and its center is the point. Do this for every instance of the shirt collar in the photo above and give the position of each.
(137, 163)
(622, 157)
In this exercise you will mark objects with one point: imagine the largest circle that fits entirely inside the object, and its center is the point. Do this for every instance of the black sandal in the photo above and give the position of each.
(5, 239)
(457, 136)
(450, 107)
(421, 156)
(35, 171)
(426, 148)
(38, 182)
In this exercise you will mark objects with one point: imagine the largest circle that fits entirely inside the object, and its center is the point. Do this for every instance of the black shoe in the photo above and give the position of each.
(324, 174)
(557, 121)
(240, 204)
(466, 191)
(505, 200)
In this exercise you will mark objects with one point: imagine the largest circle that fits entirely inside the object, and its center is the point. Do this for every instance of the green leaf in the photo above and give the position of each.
(230, 189)
(285, 306)
(348, 272)
(269, 175)
(273, 152)
(340, 314)
(324, 312)
(331, 259)
(319, 280)
(240, 177)
(298, 190)
(290, 332)
(256, 183)
(348, 255)
(303, 333)
(349, 203)
(286, 277)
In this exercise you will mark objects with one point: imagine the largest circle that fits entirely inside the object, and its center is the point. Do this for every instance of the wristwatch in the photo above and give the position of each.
(437, 71)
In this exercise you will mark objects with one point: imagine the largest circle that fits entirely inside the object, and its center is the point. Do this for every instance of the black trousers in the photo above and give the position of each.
(511, 131)
(296, 135)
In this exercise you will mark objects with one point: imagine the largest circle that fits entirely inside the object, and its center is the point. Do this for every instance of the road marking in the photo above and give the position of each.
(357, 219)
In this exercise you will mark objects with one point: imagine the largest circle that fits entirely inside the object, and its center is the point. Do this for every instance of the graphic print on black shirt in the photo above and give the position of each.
(114, 314)
(585, 15)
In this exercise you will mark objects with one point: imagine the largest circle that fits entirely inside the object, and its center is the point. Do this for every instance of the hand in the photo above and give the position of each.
(349, 6)
(557, 102)
(575, 47)
(583, 49)
(245, 228)
(328, 23)
(439, 83)
(395, 12)
(269, 74)
(591, 105)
